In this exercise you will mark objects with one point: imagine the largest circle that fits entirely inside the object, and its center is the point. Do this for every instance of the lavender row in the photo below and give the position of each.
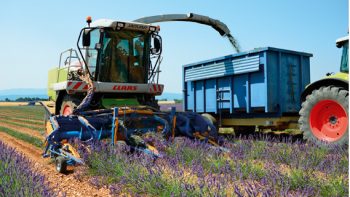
(17, 177)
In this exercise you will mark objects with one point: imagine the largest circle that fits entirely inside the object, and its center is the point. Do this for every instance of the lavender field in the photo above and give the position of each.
(246, 166)
(18, 177)
(242, 167)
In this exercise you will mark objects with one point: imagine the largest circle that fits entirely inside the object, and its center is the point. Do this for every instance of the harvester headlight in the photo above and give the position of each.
(120, 24)
(152, 28)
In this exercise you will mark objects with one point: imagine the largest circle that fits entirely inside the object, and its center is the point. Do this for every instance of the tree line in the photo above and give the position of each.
(23, 99)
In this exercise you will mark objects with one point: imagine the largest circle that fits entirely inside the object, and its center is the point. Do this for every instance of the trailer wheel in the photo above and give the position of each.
(61, 164)
(69, 104)
(324, 116)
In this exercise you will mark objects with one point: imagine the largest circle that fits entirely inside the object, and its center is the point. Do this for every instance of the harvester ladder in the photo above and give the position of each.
(72, 54)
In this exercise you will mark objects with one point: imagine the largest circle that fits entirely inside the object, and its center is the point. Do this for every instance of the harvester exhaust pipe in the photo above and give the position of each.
(191, 17)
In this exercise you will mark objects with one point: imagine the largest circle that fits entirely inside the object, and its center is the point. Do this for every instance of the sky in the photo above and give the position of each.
(33, 33)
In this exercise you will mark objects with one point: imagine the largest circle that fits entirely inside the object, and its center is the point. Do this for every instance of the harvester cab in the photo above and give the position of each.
(121, 58)
(119, 52)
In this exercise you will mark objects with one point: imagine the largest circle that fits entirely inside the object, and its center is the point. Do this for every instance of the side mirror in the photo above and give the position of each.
(86, 38)
(157, 44)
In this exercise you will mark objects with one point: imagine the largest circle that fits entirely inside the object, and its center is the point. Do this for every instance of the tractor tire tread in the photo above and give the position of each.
(328, 92)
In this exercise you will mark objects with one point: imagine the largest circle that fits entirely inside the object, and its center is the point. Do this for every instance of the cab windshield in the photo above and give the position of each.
(124, 57)
(344, 66)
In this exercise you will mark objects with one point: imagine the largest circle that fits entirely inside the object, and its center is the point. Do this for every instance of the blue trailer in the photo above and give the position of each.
(261, 87)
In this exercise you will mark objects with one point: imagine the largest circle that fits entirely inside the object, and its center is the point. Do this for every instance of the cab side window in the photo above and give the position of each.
(92, 52)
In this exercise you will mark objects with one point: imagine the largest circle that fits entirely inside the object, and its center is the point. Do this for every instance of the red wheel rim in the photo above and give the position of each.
(67, 110)
(328, 120)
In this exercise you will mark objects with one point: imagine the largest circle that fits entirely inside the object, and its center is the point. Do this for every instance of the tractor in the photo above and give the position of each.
(325, 104)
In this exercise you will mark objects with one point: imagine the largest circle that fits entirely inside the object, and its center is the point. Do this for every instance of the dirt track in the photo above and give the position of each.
(13, 103)
(62, 183)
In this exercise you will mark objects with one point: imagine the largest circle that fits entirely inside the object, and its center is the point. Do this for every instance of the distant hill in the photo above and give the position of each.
(170, 96)
(14, 94)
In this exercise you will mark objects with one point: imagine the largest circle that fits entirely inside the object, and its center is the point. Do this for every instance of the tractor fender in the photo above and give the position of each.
(336, 82)
(60, 95)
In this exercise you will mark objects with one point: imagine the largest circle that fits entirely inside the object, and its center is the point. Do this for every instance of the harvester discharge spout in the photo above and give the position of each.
(196, 18)
(85, 103)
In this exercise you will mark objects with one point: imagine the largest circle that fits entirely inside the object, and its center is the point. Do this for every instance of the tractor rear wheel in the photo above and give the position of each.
(324, 115)
(69, 104)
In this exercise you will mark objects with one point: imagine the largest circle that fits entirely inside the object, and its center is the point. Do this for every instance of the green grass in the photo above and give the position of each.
(251, 170)
(334, 187)
(257, 150)
(22, 116)
(214, 162)
(23, 120)
(190, 154)
(318, 155)
(39, 129)
(298, 179)
(23, 136)
(29, 112)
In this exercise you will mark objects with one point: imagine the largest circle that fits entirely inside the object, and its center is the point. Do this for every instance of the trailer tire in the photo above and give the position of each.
(61, 164)
(69, 104)
(324, 116)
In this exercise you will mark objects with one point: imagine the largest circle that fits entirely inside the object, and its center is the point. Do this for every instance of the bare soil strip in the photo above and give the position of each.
(13, 103)
(61, 183)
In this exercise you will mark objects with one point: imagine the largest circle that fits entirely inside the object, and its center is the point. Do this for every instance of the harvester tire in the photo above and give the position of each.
(324, 116)
(69, 104)
(61, 164)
